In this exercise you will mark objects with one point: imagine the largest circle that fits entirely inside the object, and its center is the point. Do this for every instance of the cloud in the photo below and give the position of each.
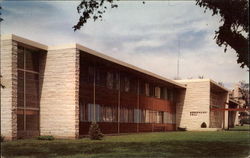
(143, 35)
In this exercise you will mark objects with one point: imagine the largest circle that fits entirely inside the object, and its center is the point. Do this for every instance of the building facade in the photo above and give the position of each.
(60, 90)
(201, 103)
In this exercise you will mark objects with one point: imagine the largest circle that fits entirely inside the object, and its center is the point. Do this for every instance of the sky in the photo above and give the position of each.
(144, 35)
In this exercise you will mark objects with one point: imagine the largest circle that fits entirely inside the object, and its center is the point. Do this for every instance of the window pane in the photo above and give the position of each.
(147, 89)
(32, 60)
(157, 92)
(130, 115)
(91, 112)
(116, 81)
(32, 90)
(20, 120)
(136, 116)
(110, 80)
(20, 89)
(20, 58)
(32, 120)
(126, 84)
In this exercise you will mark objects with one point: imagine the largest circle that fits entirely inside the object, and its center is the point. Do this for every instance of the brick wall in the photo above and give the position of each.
(59, 108)
(192, 107)
(9, 93)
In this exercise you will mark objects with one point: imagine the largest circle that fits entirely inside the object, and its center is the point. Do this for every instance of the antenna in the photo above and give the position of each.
(178, 60)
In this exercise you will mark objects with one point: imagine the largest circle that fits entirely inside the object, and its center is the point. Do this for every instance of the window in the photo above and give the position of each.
(126, 84)
(147, 116)
(142, 116)
(123, 114)
(147, 89)
(131, 115)
(91, 72)
(83, 112)
(100, 77)
(152, 116)
(157, 92)
(164, 93)
(168, 118)
(116, 81)
(110, 80)
(151, 91)
(142, 88)
(136, 115)
(159, 117)
(102, 113)
(27, 89)
(171, 95)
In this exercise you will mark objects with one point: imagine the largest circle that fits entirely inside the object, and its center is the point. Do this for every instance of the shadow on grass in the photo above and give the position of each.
(123, 149)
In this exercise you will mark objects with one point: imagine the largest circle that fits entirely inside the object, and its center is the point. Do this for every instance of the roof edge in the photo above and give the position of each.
(101, 55)
(203, 80)
(24, 41)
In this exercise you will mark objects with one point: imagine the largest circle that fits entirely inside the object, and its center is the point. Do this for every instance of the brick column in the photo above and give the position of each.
(9, 93)
(59, 105)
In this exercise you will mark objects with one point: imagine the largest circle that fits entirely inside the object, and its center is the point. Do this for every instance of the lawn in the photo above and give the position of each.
(221, 144)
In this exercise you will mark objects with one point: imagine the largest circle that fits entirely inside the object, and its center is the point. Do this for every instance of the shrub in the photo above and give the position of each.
(45, 138)
(2, 138)
(203, 125)
(95, 132)
(245, 121)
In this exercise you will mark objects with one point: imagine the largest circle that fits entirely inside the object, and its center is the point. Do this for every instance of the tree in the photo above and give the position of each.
(233, 32)
(95, 132)
(244, 90)
(1, 19)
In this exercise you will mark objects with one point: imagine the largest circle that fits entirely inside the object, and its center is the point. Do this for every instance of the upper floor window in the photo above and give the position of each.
(164, 93)
(110, 80)
(147, 89)
(157, 92)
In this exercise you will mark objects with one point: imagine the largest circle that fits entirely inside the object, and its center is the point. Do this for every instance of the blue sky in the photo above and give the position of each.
(143, 35)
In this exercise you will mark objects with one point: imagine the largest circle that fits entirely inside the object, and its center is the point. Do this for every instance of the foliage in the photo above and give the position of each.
(45, 138)
(234, 30)
(92, 9)
(1, 19)
(245, 120)
(224, 144)
(2, 138)
(95, 132)
(244, 90)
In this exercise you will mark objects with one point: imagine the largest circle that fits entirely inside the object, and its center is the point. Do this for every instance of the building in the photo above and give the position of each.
(202, 102)
(60, 90)
(238, 99)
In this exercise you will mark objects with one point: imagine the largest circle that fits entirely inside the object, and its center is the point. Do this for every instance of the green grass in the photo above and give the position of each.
(222, 144)
(241, 128)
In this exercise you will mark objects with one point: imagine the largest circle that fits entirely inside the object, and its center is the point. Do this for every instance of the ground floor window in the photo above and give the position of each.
(106, 113)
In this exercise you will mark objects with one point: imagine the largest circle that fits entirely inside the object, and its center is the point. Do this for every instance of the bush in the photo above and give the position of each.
(2, 138)
(45, 138)
(95, 132)
(245, 121)
(203, 125)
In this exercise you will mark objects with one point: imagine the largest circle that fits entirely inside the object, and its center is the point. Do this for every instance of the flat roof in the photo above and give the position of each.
(24, 41)
(90, 51)
(203, 80)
